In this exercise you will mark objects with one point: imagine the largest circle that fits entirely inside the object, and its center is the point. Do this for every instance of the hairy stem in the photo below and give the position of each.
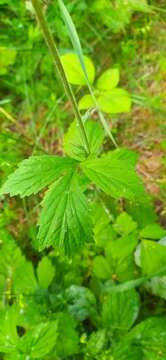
(54, 52)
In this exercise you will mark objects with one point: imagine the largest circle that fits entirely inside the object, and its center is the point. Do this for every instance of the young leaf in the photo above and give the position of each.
(108, 80)
(45, 272)
(114, 174)
(35, 173)
(86, 102)
(114, 101)
(73, 145)
(64, 220)
(74, 70)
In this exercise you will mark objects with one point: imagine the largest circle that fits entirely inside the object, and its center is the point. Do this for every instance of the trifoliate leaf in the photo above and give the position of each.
(108, 80)
(35, 173)
(64, 221)
(114, 101)
(45, 272)
(120, 310)
(73, 144)
(114, 174)
(153, 231)
(74, 70)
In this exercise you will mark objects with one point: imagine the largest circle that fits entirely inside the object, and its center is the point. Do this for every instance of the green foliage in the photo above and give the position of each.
(45, 272)
(36, 173)
(73, 145)
(153, 256)
(124, 224)
(152, 231)
(107, 301)
(74, 71)
(120, 310)
(110, 175)
(64, 221)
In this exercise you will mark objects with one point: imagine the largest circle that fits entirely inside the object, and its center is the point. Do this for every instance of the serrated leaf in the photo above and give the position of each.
(64, 221)
(39, 341)
(45, 272)
(115, 175)
(108, 80)
(120, 310)
(114, 101)
(73, 144)
(74, 71)
(35, 173)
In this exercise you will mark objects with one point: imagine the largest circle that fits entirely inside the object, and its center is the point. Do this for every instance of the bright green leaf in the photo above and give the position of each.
(124, 224)
(153, 257)
(24, 279)
(101, 268)
(7, 57)
(45, 272)
(74, 70)
(86, 102)
(153, 231)
(114, 101)
(108, 80)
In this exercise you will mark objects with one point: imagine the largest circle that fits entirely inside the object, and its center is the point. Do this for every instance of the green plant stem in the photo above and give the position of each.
(54, 51)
